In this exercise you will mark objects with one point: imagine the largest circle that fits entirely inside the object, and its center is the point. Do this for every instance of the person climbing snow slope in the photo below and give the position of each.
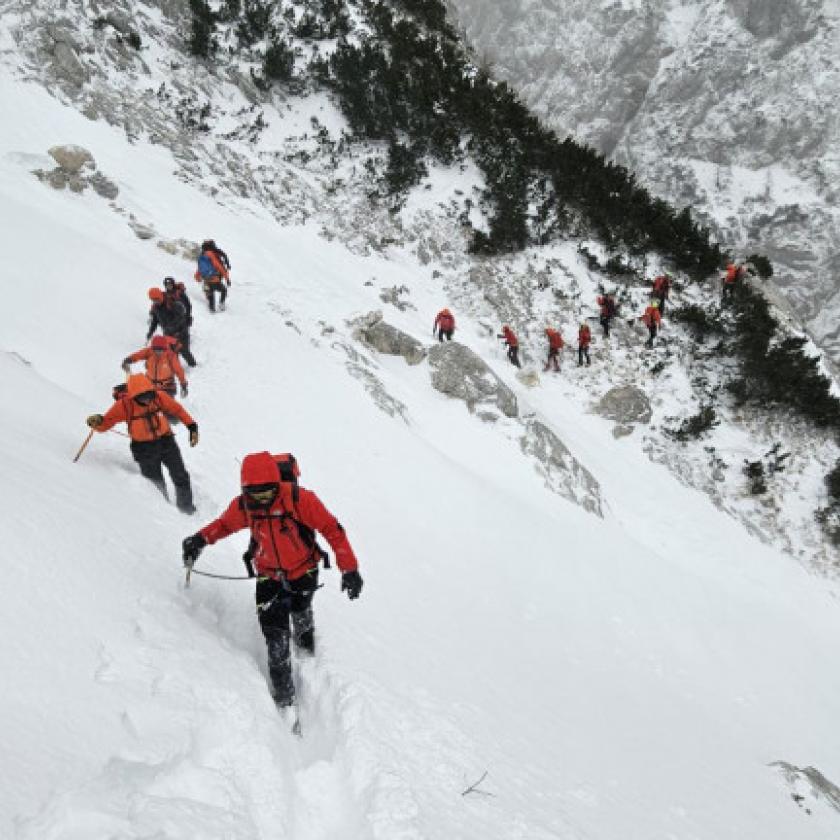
(212, 273)
(153, 443)
(444, 326)
(555, 345)
(282, 518)
(512, 342)
(171, 316)
(162, 364)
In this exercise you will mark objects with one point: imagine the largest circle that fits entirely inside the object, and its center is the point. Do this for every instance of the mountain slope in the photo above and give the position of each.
(723, 107)
(623, 673)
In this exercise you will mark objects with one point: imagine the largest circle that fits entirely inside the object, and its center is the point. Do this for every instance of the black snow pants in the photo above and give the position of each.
(183, 338)
(605, 323)
(652, 334)
(210, 289)
(447, 334)
(277, 602)
(152, 455)
(583, 350)
(513, 355)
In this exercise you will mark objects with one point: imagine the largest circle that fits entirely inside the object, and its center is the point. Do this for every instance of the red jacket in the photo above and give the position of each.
(733, 273)
(445, 320)
(161, 368)
(217, 264)
(652, 317)
(280, 547)
(607, 311)
(661, 286)
(510, 337)
(584, 336)
(555, 340)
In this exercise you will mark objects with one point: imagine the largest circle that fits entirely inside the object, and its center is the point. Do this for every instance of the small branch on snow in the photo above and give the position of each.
(473, 788)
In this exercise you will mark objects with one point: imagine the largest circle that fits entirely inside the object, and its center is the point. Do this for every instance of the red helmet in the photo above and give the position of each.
(160, 342)
(156, 294)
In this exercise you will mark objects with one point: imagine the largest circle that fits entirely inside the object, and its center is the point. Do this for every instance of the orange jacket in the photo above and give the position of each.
(161, 368)
(145, 422)
(584, 336)
(217, 264)
(652, 317)
(555, 340)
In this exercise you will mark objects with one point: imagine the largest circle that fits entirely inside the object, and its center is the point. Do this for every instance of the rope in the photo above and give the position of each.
(227, 577)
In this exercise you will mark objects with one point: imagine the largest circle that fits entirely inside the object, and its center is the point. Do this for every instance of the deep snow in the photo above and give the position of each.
(629, 677)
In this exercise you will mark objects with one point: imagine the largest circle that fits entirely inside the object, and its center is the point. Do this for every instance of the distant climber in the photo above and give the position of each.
(213, 273)
(444, 326)
(162, 365)
(608, 311)
(171, 316)
(555, 345)
(652, 320)
(210, 244)
(178, 292)
(282, 518)
(512, 342)
(734, 272)
(584, 340)
(153, 444)
(661, 290)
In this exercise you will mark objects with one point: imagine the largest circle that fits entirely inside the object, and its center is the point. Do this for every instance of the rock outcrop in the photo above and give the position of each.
(460, 373)
(625, 404)
(379, 335)
(562, 472)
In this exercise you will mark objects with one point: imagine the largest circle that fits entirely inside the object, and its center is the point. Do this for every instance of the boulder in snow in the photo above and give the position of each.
(562, 472)
(373, 331)
(71, 158)
(625, 404)
(528, 377)
(460, 373)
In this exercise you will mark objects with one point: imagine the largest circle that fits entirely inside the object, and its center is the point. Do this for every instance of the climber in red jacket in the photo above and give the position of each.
(282, 518)
(444, 325)
(555, 345)
(509, 337)
(652, 320)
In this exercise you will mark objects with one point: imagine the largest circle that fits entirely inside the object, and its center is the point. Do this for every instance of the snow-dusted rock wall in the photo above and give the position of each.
(727, 107)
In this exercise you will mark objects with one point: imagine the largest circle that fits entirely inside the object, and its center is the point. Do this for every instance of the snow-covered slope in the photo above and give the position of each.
(634, 675)
(728, 108)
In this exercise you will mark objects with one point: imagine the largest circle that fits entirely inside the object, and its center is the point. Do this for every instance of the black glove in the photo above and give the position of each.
(184, 389)
(193, 430)
(352, 582)
(192, 547)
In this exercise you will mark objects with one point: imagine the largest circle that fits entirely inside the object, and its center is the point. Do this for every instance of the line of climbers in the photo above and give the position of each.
(283, 553)
(651, 317)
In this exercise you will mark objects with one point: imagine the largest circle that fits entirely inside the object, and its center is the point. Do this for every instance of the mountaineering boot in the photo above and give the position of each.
(280, 668)
(303, 627)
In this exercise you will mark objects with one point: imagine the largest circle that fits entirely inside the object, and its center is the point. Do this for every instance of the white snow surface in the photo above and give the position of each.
(633, 676)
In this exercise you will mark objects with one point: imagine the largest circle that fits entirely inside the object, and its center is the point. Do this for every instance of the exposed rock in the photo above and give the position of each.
(621, 431)
(808, 781)
(393, 296)
(563, 473)
(184, 247)
(528, 377)
(625, 404)
(103, 186)
(373, 331)
(62, 48)
(141, 231)
(359, 367)
(71, 158)
(460, 373)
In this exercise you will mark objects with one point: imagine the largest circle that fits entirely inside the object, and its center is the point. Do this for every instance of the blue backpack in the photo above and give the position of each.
(206, 268)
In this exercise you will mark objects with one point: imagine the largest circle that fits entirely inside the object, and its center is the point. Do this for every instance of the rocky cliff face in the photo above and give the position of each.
(726, 107)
